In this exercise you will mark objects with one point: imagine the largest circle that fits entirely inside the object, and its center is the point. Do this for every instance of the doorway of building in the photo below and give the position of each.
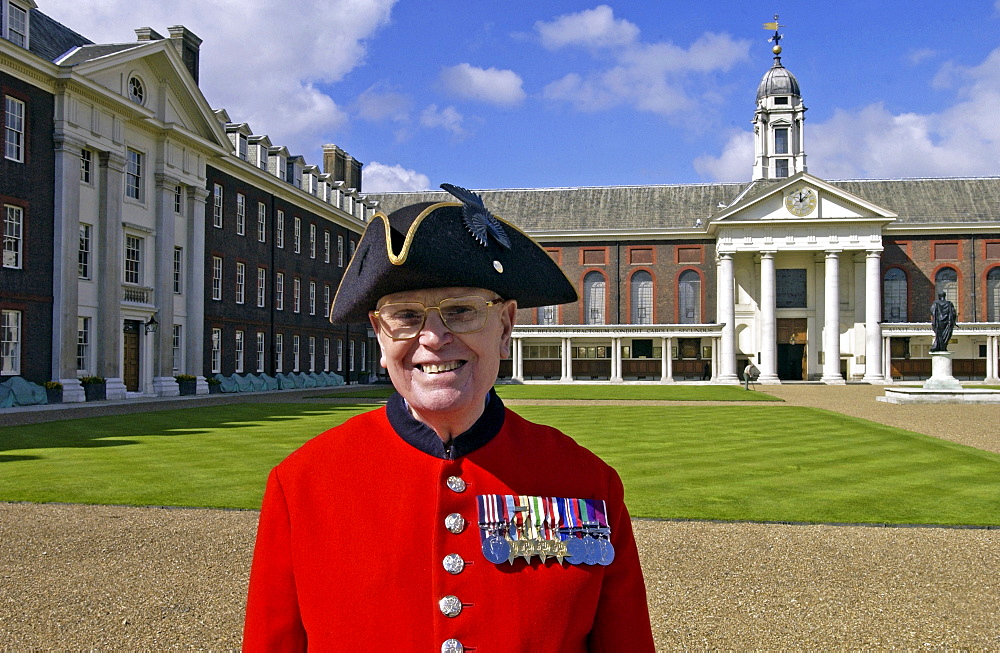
(130, 355)
(791, 348)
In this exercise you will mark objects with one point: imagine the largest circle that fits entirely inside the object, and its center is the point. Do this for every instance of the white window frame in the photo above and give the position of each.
(217, 206)
(241, 214)
(326, 245)
(216, 351)
(326, 299)
(132, 260)
(13, 236)
(260, 352)
(10, 342)
(312, 354)
(86, 166)
(134, 175)
(14, 129)
(326, 354)
(241, 282)
(279, 351)
(280, 230)
(279, 291)
(350, 354)
(261, 222)
(178, 270)
(261, 287)
(17, 25)
(177, 347)
(217, 278)
(178, 200)
(364, 356)
(82, 344)
(297, 235)
(83, 255)
(239, 341)
(340, 251)
(296, 295)
(312, 298)
(340, 355)
(312, 240)
(295, 353)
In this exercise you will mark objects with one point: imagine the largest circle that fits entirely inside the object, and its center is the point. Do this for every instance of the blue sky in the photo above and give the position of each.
(520, 94)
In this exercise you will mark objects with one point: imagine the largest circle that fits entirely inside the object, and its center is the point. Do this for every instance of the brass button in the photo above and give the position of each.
(450, 606)
(453, 563)
(456, 484)
(455, 523)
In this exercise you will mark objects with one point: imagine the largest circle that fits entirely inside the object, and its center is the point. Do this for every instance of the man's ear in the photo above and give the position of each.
(508, 318)
(377, 327)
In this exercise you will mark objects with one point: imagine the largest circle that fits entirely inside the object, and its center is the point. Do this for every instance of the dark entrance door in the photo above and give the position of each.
(790, 362)
(130, 355)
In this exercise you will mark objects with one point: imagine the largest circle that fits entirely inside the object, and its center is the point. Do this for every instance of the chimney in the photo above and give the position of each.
(147, 34)
(188, 46)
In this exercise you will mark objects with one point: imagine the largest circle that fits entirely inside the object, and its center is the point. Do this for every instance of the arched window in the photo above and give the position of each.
(946, 281)
(593, 298)
(894, 296)
(546, 314)
(642, 297)
(993, 295)
(689, 297)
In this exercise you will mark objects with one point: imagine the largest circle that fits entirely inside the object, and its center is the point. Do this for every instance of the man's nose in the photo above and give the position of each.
(435, 331)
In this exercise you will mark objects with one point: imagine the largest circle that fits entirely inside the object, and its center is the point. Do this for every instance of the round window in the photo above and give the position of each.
(136, 92)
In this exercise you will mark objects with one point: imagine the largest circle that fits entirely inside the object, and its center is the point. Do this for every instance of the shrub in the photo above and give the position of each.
(185, 378)
(52, 385)
(92, 380)
(213, 381)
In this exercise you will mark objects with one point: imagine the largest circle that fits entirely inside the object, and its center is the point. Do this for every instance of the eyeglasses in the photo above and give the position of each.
(405, 320)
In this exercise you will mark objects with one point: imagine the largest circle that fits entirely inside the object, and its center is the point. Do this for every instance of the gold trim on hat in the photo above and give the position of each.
(411, 233)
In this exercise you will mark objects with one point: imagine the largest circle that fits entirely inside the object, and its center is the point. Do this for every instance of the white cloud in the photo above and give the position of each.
(377, 105)
(593, 28)
(278, 95)
(872, 142)
(447, 119)
(381, 178)
(490, 85)
(656, 77)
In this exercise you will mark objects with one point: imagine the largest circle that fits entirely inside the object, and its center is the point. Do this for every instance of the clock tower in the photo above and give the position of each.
(779, 147)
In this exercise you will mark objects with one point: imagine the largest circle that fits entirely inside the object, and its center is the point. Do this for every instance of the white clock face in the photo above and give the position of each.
(801, 201)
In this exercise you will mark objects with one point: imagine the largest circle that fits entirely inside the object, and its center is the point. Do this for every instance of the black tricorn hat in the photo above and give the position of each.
(443, 244)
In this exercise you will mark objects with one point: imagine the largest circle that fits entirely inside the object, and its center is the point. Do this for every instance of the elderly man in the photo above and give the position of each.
(445, 521)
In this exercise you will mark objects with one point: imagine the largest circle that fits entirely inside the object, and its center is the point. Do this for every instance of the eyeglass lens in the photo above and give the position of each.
(460, 315)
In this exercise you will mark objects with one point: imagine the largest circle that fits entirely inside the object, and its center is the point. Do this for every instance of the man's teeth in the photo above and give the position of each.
(431, 368)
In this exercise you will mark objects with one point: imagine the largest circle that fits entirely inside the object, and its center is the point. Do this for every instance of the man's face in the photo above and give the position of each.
(441, 373)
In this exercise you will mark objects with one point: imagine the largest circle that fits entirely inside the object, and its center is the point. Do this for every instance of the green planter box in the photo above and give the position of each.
(95, 391)
(188, 387)
(54, 395)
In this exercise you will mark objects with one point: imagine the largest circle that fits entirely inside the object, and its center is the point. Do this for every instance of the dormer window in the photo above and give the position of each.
(242, 147)
(781, 141)
(781, 100)
(136, 90)
(17, 25)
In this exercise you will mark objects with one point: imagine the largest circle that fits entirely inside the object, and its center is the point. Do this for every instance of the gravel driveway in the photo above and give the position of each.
(118, 578)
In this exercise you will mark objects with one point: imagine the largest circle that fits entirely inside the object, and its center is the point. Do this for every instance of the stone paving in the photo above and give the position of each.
(120, 578)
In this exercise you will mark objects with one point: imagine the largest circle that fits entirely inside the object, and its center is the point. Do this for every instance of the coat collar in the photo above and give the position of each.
(422, 437)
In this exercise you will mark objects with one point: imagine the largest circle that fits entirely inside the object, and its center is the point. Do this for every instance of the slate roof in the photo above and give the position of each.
(916, 201)
(51, 39)
(89, 52)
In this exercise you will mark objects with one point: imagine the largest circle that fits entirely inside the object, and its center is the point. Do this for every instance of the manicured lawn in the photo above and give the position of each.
(591, 392)
(769, 463)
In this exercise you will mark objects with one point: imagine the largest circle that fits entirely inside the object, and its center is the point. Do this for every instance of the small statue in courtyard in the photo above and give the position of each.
(944, 319)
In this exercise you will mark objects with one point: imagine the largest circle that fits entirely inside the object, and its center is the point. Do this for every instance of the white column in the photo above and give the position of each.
(992, 373)
(108, 331)
(518, 363)
(616, 360)
(670, 360)
(193, 332)
(665, 361)
(567, 360)
(873, 310)
(768, 363)
(164, 384)
(65, 259)
(831, 314)
(716, 343)
(887, 358)
(726, 310)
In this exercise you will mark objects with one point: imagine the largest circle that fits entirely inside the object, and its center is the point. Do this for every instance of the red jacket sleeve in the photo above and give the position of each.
(272, 621)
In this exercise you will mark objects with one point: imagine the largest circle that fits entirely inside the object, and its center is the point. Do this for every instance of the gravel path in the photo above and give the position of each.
(119, 578)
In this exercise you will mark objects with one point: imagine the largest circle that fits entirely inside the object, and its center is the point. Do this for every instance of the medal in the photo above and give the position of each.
(496, 549)
(605, 549)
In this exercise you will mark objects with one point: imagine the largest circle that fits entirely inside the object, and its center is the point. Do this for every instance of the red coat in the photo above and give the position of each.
(352, 536)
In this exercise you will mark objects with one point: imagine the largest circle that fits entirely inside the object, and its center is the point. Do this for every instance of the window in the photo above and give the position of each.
(781, 141)
(780, 168)
(279, 291)
(295, 353)
(326, 354)
(14, 130)
(217, 206)
(364, 355)
(790, 288)
(593, 298)
(279, 349)
(133, 259)
(546, 314)
(280, 227)
(993, 295)
(642, 297)
(350, 354)
(10, 342)
(86, 166)
(340, 251)
(260, 352)
(312, 354)
(176, 342)
(241, 282)
(352, 246)
(136, 90)
(178, 266)
(894, 296)
(261, 286)
(297, 235)
(326, 246)
(326, 299)
(239, 351)
(261, 222)
(217, 277)
(241, 147)
(946, 281)
(312, 241)
(17, 25)
(241, 214)
(82, 344)
(178, 200)
(689, 297)
(83, 257)
(13, 236)
(133, 175)
(340, 354)
(781, 100)
(312, 298)
(296, 295)
(216, 351)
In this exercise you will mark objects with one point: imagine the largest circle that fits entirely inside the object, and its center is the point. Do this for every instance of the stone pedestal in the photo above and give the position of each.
(941, 376)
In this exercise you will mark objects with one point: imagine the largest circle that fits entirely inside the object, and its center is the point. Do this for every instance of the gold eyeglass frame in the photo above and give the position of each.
(489, 304)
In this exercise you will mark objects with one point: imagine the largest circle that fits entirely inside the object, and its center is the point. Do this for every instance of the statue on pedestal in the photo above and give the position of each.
(944, 317)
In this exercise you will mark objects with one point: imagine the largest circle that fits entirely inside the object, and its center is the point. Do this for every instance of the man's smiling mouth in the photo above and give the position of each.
(437, 368)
